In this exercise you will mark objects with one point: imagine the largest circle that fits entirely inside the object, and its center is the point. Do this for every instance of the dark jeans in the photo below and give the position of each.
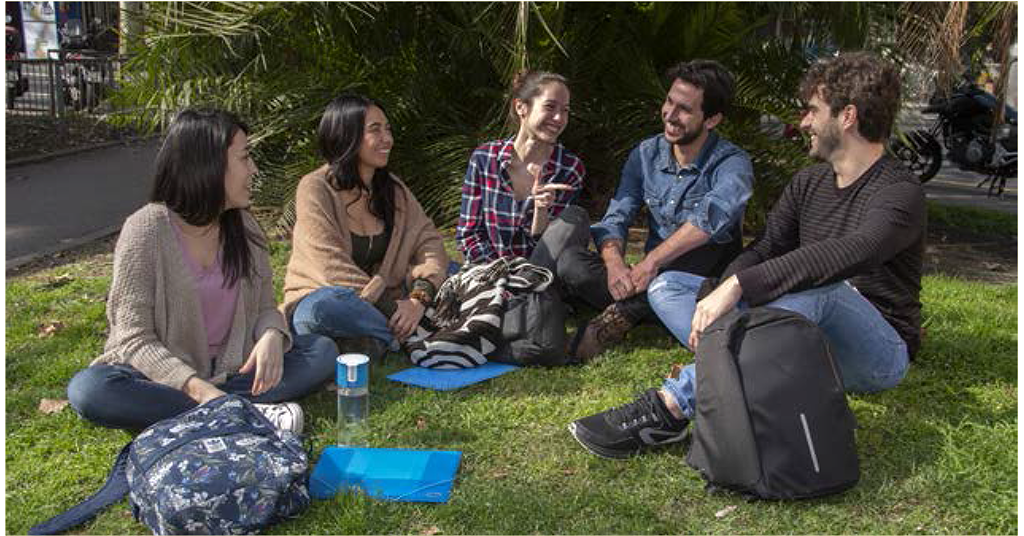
(119, 396)
(584, 276)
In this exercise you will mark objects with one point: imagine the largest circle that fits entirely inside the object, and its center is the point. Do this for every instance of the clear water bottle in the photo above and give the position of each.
(353, 374)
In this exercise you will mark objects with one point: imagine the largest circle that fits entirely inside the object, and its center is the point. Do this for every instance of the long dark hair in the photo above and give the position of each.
(340, 135)
(190, 169)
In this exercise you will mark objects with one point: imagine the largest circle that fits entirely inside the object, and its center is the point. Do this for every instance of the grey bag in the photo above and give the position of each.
(771, 419)
(533, 330)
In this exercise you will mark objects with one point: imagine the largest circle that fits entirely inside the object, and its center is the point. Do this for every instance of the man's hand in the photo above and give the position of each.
(642, 274)
(405, 318)
(620, 281)
(267, 358)
(201, 390)
(716, 304)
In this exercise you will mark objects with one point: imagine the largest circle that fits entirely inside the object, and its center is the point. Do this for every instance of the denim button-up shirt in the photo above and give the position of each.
(711, 193)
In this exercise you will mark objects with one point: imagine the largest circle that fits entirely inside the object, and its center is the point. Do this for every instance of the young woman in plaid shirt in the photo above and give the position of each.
(518, 193)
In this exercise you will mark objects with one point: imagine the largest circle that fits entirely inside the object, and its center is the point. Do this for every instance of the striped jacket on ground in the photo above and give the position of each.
(464, 326)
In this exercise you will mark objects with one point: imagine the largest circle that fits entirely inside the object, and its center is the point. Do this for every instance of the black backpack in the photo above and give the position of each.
(533, 330)
(771, 420)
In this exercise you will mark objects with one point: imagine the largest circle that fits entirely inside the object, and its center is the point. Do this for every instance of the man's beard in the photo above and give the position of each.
(688, 137)
(828, 141)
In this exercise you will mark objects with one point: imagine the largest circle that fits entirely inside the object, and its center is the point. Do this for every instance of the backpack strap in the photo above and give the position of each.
(112, 491)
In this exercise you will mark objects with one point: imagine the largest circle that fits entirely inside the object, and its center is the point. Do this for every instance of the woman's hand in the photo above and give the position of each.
(544, 195)
(267, 358)
(714, 305)
(405, 318)
(201, 390)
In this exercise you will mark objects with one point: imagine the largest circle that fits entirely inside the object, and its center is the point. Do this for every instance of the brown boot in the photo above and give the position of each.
(604, 330)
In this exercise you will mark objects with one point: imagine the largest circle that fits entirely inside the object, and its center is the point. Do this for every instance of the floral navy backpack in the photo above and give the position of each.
(220, 468)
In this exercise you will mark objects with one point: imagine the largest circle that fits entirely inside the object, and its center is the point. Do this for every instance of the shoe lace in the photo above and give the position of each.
(277, 414)
(638, 412)
(612, 327)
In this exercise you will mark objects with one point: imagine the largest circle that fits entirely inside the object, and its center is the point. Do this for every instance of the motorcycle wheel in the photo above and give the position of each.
(920, 152)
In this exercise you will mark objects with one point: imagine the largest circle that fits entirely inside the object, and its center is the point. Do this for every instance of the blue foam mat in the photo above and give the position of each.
(449, 379)
(390, 474)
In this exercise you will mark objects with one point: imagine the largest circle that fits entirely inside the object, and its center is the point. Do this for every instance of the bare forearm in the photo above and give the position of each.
(540, 222)
(201, 390)
(611, 253)
(683, 240)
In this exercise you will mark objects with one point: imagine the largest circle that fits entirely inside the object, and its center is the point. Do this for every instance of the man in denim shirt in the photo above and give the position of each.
(695, 185)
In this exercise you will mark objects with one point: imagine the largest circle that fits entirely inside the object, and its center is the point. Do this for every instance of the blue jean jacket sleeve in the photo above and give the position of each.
(721, 210)
(624, 205)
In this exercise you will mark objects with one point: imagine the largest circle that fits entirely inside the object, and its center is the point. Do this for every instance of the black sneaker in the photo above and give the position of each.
(628, 429)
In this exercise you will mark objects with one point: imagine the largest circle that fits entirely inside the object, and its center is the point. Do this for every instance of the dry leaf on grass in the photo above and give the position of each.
(49, 329)
(725, 511)
(51, 405)
(57, 282)
(421, 423)
(431, 531)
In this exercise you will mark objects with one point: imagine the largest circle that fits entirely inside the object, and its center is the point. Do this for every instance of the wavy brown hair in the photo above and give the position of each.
(863, 80)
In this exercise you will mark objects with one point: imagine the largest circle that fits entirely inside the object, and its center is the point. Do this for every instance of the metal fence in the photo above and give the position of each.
(67, 83)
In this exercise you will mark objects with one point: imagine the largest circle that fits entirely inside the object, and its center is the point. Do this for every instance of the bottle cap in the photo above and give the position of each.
(353, 370)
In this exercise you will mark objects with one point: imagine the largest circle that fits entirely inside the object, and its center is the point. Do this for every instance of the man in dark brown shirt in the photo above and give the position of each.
(842, 246)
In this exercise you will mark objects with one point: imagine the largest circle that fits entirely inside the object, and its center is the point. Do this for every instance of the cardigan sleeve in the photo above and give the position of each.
(131, 306)
(319, 248)
(429, 259)
(268, 315)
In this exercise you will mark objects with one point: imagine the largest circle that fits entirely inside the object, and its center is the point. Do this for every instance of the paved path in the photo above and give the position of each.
(66, 201)
(955, 187)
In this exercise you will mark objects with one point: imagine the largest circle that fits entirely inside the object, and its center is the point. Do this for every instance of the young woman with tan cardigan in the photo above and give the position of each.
(366, 259)
(191, 308)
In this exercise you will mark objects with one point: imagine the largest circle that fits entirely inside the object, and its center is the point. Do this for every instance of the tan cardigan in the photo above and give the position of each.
(322, 246)
(154, 313)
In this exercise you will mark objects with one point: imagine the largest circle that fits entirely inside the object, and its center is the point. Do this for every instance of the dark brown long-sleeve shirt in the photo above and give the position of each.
(871, 233)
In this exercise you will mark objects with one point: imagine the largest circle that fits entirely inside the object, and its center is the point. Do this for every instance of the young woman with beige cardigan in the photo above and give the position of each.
(366, 259)
(191, 308)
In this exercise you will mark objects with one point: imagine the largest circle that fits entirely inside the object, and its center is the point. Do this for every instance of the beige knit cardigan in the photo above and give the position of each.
(154, 313)
(322, 246)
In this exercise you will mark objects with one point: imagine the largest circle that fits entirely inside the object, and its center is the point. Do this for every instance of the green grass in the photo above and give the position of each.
(938, 453)
(973, 220)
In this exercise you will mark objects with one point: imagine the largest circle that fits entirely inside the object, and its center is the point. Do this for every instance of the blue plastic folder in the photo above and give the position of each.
(389, 474)
(449, 379)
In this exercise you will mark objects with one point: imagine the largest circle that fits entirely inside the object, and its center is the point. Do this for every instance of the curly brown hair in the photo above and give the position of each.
(863, 80)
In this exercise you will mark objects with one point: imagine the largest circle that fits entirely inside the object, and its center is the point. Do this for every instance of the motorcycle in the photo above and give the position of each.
(964, 124)
(17, 82)
(83, 78)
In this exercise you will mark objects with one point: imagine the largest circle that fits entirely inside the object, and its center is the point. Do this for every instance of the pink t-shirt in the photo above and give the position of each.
(218, 303)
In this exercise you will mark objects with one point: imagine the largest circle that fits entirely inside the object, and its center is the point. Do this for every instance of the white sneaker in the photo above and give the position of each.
(286, 416)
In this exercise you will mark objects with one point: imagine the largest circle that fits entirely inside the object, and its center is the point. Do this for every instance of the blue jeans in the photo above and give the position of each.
(870, 355)
(119, 396)
(339, 312)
